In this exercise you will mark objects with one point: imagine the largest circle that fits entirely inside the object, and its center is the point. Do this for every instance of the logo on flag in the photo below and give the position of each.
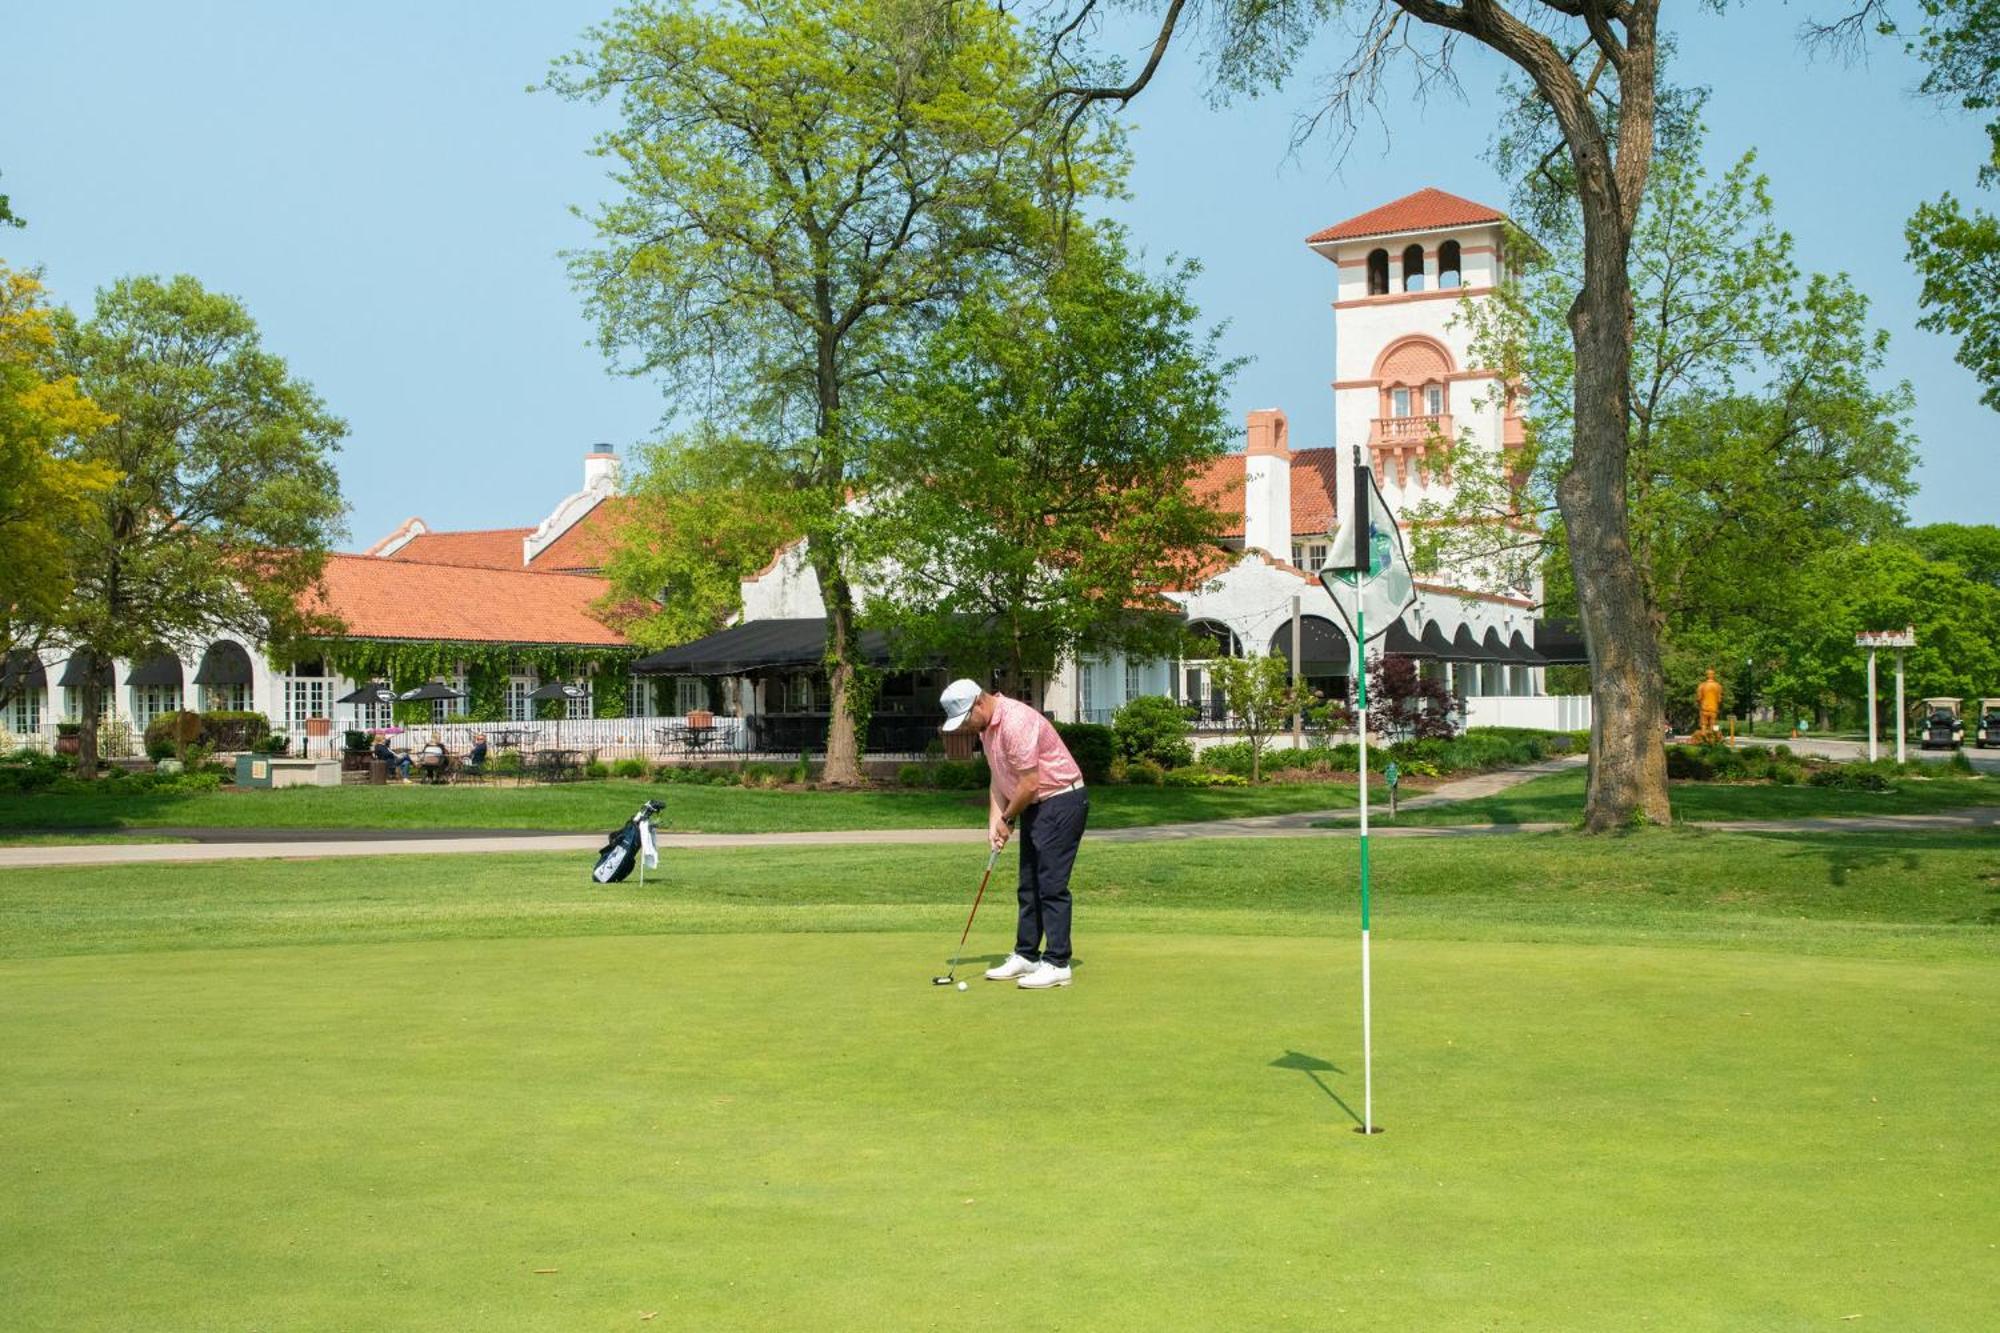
(1369, 575)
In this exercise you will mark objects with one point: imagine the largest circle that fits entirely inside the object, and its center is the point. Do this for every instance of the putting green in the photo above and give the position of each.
(783, 1130)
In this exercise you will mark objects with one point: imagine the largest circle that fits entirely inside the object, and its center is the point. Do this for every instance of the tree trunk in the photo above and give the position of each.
(1628, 762)
(843, 750)
(86, 732)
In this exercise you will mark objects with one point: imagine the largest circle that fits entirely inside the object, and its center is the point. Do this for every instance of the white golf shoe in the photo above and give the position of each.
(1015, 966)
(1044, 976)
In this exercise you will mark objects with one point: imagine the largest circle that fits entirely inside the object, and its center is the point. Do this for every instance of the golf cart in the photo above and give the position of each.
(1988, 735)
(1940, 728)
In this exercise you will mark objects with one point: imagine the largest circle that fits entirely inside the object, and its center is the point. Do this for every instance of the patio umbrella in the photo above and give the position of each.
(374, 692)
(557, 689)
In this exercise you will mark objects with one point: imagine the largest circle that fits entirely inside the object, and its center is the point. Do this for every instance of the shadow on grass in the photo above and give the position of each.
(1312, 1067)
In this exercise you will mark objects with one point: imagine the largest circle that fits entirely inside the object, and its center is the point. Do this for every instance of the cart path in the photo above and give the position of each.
(102, 854)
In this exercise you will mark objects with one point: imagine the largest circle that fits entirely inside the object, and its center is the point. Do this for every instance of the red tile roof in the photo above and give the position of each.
(1313, 491)
(491, 548)
(409, 599)
(586, 543)
(1425, 210)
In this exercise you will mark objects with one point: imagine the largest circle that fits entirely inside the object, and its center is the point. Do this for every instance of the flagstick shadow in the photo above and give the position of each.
(1312, 1066)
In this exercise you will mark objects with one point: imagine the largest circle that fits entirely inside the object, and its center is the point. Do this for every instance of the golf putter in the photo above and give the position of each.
(951, 977)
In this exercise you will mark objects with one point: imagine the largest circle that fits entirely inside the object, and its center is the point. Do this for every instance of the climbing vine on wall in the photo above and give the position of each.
(486, 666)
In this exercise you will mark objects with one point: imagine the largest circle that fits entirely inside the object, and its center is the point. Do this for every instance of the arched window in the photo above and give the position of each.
(1378, 272)
(1413, 269)
(1448, 274)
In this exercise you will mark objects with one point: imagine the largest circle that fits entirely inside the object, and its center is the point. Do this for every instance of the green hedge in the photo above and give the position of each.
(1092, 746)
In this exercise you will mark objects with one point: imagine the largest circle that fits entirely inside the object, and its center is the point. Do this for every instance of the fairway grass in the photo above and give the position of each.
(778, 1132)
(1675, 1080)
(583, 806)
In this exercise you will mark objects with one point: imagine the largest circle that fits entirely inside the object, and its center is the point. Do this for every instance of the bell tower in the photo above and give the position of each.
(1405, 391)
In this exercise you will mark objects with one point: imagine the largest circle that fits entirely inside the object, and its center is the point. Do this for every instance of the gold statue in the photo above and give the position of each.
(1708, 704)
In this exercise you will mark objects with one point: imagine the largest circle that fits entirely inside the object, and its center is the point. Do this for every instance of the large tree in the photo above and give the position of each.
(1593, 65)
(226, 500)
(1039, 467)
(803, 186)
(1758, 436)
(46, 497)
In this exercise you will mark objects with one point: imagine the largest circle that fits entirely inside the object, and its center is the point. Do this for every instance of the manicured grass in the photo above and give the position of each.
(584, 806)
(78, 839)
(1557, 798)
(1674, 1079)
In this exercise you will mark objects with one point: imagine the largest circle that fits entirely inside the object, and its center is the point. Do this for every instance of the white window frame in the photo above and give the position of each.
(1434, 400)
(1399, 403)
(225, 698)
(520, 708)
(579, 710)
(691, 695)
(23, 715)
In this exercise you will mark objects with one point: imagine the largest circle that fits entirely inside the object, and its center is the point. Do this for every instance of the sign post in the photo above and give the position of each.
(1874, 640)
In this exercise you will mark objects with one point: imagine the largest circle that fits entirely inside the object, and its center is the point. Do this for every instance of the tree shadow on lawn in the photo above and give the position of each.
(1312, 1067)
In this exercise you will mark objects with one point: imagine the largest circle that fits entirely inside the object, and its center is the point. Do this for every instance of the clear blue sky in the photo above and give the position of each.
(376, 183)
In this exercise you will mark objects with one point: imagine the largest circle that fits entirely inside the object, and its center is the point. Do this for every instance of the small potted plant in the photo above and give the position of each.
(69, 737)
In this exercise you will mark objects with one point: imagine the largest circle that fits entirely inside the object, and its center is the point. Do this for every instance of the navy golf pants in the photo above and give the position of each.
(1050, 832)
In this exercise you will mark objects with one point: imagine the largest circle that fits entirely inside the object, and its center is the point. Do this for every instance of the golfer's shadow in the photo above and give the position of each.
(1312, 1066)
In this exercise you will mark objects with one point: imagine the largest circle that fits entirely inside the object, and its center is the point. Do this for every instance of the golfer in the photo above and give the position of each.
(1037, 787)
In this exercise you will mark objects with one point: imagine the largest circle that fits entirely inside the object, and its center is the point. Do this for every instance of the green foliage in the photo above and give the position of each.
(1152, 727)
(703, 511)
(1058, 425)
(911, 775)
(234, 730)
(226, 502)
(47, 497)
(630, 767)
(169, 733)
(1144, 773)
(1973, 547)
(26, 771)
(1261, 697)
(1201, 777)
(486, 667)
(689, 775)
(1759, 440)
(597, 769)
(1090, 744)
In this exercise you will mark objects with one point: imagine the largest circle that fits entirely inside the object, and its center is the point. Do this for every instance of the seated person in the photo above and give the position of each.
(399, 764)
(435, 759)
(475, 758)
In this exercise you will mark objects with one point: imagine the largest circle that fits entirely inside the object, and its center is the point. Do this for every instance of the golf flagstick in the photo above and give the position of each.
(1368, 564)
(1367, 1024)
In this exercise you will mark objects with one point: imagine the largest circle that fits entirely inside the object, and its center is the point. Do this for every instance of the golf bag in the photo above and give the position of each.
(628, 846)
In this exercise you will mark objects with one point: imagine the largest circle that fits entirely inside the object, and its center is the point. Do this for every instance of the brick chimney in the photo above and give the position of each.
(1267, 484)
(600, 468)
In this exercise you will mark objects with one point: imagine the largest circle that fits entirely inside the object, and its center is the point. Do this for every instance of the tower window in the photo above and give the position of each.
(1413, 269)
(1448, 265)
(1434, 400)
(1399, 400)
(1378, 272)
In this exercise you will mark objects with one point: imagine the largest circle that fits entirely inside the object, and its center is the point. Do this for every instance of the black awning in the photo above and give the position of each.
(1323, 647)
(1400, 641)
(1434, 641)
(159, 669)
(1519, 651)
(225, 663)
(23, 670)
(757, 643)
(1465, 648)
(1560, 642)
(77, 670)
(1491, 648)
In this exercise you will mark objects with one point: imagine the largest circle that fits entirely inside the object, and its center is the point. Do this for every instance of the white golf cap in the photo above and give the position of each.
(958, 698)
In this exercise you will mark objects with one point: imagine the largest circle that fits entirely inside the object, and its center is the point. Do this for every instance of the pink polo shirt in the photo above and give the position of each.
(1018, 738)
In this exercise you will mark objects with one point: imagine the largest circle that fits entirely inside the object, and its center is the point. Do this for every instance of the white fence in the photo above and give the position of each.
(1547, 712)
(604, 738)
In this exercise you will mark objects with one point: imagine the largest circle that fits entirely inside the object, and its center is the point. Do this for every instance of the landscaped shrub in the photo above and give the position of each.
(30, 771)
(1144, 773)
(695, 777)
(1230, 758)
(1202, 777)
(911, 775)
(1092, 747)
(235, 730)
(967, 775)
(1850, 777)
(1152, 728)
(597, 769)
(506, 763)
(630, 767)
(167, 733)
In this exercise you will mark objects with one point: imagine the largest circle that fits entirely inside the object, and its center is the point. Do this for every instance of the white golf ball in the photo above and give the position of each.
(961, 985)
